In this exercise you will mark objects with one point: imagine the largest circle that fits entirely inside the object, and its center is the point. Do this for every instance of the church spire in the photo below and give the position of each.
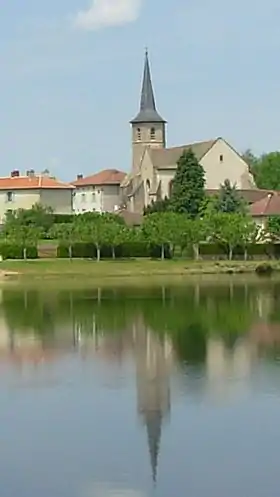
(148, 112)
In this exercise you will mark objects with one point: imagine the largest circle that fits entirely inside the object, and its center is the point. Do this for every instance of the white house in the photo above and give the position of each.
(99, 192)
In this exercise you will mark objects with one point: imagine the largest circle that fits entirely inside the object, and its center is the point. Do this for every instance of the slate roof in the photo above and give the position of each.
(166, 158)
(33, 183)
(105, 177)
(148, 112)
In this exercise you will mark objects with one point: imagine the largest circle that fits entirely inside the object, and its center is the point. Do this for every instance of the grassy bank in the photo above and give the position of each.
(61, 268)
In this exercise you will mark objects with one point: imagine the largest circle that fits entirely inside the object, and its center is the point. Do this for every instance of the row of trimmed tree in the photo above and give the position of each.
(164, 229)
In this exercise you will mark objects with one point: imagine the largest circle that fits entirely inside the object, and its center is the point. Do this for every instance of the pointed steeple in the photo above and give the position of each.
(153, 423)
(148, 112)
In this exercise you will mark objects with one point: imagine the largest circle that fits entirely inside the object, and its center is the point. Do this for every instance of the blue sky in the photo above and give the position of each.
(71, 74)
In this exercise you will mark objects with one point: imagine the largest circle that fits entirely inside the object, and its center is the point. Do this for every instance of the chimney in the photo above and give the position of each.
(15, 173)
(79, 176)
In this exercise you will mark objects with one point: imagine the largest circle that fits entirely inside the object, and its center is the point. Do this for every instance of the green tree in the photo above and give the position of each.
(226, 229)
(92, 229)
(38, 216)
(161, 228)
(115, 233)
(273, 228)
(249, 234)
(24, 236)
(229, 199)
(194, 232)
(188, 189)
(267, 171)
(67, 234)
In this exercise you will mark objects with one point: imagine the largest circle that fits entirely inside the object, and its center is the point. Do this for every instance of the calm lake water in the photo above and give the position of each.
(168, 391)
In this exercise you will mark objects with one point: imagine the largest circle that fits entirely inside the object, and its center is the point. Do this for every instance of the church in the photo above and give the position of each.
(154, 164)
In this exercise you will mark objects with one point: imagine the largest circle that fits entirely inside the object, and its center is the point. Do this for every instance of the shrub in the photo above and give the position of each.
(63, 218)
(264, 269)
(13, 251)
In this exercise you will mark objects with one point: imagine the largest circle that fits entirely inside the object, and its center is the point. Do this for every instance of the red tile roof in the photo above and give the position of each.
(267, 206)
(33, 183)
(106, 177)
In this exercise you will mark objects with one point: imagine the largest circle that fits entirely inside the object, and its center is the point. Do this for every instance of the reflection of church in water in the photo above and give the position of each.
(153, 357)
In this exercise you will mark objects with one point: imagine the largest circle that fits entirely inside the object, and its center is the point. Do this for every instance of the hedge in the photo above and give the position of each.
(13, 251)
(145, 250)
(125, 251)
(263, 250)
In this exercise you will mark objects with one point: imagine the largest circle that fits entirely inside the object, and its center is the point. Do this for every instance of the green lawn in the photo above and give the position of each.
(127, 268)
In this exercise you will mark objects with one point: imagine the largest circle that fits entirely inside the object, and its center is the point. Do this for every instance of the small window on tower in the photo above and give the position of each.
(138, 134)
(153, 134)
(221, 158)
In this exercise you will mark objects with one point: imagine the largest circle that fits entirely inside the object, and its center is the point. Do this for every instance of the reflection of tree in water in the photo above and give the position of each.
(29, 312)
(188, 315)
(189, 320)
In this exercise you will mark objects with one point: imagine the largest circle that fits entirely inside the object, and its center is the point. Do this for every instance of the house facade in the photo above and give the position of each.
(22, 192)
(99, 192)
(154, 165)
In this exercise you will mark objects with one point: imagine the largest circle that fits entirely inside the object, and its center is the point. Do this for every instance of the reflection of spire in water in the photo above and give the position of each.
(153, 420)
(153, 358)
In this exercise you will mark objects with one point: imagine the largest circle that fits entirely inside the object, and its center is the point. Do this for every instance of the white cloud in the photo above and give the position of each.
(105, 13)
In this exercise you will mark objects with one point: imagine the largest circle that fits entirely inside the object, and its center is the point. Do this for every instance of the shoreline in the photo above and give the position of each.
(125, 269)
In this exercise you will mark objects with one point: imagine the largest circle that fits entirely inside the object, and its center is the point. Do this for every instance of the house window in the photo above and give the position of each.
(10, 196)
(93, 196)
(153, 134)
(221, 158)
(138, 134)
(83, 197)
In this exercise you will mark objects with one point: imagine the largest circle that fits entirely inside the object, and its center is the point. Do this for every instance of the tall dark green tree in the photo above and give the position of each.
(188, 189)
(229, 199)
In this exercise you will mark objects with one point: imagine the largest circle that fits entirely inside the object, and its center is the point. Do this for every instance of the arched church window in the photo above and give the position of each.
(138, 134)
(148, 185)
(153, 134)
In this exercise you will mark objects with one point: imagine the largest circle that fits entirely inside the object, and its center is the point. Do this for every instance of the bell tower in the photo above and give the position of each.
(148, 127)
